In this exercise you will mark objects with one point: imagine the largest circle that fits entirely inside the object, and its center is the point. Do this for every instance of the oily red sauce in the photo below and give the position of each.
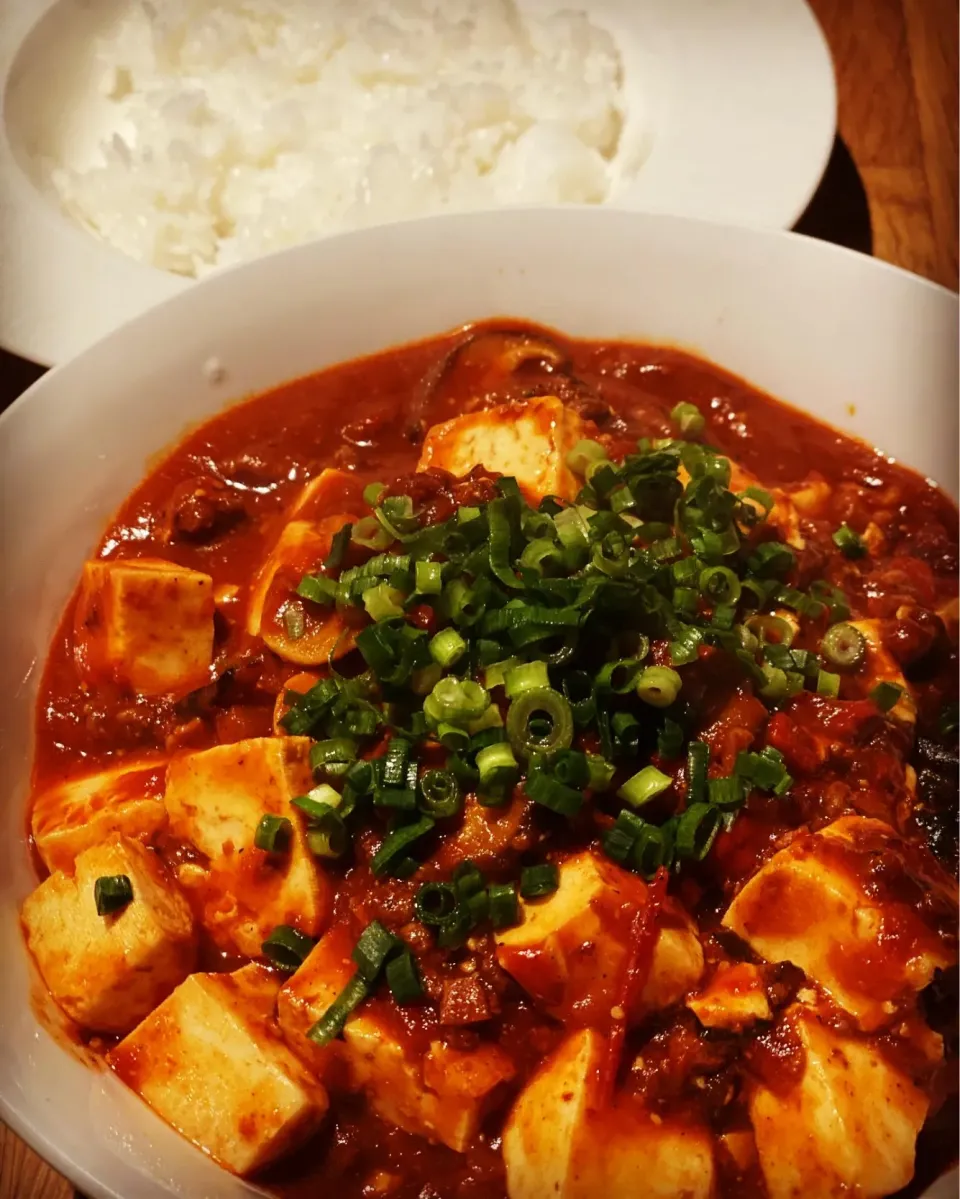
(216, 504)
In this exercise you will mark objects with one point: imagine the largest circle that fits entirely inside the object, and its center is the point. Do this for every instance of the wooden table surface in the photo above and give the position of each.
(890, 189)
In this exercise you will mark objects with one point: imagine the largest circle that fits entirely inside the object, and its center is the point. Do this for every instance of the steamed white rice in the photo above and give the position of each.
(236, 129)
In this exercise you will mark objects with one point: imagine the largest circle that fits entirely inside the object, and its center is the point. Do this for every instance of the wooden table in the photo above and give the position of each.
(890, 189)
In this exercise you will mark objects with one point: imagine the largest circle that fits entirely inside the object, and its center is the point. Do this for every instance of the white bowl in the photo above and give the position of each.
(738, 95)
(862, 345)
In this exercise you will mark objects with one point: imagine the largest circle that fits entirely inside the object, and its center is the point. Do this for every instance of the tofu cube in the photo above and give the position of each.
(146, 624)
(319, 513)
(561, 1142)
(215, 800)
(527, 439)
(882, 667)
(441, 1095)
(549, 1119)
(848, 1125)
(108, 972)
(815, 904)
(733, 999)
(572, 950)
(210, 1062)
(75, 814)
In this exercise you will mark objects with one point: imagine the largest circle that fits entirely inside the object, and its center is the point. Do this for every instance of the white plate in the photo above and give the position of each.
(739, 96)
(816, 325)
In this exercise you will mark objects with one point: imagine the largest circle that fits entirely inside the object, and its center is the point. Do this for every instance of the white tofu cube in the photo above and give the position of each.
(215, 800)
(108, 972)
(733, 999)
(210, 1062)
(528, 439)
(882, 667)
(146, 624)
(562, 1142)
(441, 1095)
(571, 951)
(77, 813)
(814, 904)
(319, 513)
(543, 1132)
(847, 1126)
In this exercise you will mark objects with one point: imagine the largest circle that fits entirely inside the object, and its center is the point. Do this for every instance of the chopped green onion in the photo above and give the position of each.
(844, 646)
(652, 849)
(327, 835)
(331, 1023)
(369, 533)
(504, 905)
(670, 739)
(525, 738)
(287, 947)
(582, 454)
(538, 881)
(273, 833)
(771, 630)
(497, 765)
(774, 684)
(404, 980)
(719, 585)
(495, 674)
(338, 548)
(552, 794)
(828, 684)
(645, 785)
(689, 419)
(440, 794)
(659, 686)
(318, 589)
(570, 767)
(698, 756)
(436, 903)
(618, 842)
(111, 892)
(456, 701)
(447, 647)
(318, 802)
(772, 559)
(849, 543)
(726, 793)
(618, 678)
(600, 773)
(396, 843)
(526, 677)
(372, 493)
(294, 621)
(333, 757)
(383, 602)
(886, 695)
(370, 953)
(428, 577)
(696, 831)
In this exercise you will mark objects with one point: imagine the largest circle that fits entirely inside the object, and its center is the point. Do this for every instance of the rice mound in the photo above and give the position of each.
(244, 128)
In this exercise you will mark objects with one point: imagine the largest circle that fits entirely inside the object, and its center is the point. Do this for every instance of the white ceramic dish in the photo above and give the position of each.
(739, 96)
(863, 345)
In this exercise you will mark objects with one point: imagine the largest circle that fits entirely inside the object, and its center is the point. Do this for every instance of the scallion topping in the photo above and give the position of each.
(273, 833)
(111, 892)
(538, 881)
(849, 543)
(645, 785)
(844, 646)
(659, 686)
(287, 947)
(886, 695)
